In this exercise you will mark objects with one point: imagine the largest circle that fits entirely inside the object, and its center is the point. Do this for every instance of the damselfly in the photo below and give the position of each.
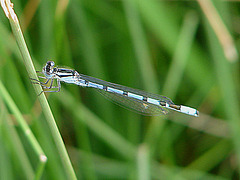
(137, 100)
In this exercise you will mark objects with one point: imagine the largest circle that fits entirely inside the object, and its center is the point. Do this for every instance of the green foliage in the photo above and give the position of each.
(164, 47)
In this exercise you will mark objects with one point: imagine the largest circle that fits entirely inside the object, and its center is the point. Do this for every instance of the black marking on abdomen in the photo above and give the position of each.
(175, 106)
(145, 98)
(105, 88)
(86, 82)
(162, 103)
(125, 93)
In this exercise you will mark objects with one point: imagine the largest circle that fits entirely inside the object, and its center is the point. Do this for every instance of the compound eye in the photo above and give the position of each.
(50, 63)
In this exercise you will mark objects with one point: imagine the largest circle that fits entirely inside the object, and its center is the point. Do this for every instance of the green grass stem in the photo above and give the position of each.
(24, 126)
(43, 101)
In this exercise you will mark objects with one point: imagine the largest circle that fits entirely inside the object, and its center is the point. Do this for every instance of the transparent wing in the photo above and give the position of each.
(136, 105)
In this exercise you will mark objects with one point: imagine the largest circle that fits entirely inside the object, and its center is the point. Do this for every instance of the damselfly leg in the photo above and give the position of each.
(43, 84)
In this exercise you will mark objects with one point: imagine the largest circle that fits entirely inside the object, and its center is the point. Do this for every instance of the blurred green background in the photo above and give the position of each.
(180, 49)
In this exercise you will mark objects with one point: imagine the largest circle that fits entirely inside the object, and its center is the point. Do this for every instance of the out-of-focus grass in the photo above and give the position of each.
(164, 47)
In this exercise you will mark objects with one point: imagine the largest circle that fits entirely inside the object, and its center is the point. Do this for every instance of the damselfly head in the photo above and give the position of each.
(48, 68)
(50, 63)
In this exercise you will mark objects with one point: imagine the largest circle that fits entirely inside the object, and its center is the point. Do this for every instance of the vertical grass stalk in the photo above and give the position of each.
(43, 101)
